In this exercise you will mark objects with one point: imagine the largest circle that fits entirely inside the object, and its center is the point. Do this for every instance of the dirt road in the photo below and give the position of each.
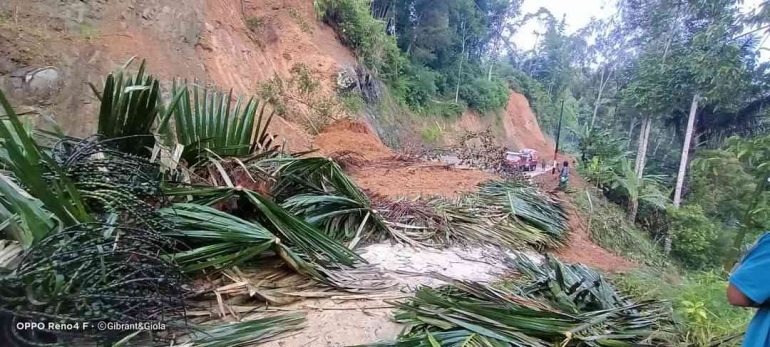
(453, 160)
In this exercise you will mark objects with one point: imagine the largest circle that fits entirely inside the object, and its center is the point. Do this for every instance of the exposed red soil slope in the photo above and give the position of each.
(519, 125)
(351, 136)
(417, 180)
(378, 171)
(580, 248)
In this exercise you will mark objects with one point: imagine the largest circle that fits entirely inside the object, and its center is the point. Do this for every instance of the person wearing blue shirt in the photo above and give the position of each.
(750, 287)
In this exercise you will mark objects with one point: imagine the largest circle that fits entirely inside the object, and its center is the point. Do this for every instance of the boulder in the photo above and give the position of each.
(39, 85)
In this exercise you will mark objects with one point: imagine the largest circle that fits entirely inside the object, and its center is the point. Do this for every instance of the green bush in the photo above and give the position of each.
(255, 23)
(485, 96)
(446, 109)
(351, 102)
(366, 35)
(417, 87)
(698, 299)
(694, 237)
(431, 134)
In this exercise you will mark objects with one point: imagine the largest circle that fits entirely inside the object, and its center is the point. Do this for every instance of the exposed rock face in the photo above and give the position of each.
(359, 79)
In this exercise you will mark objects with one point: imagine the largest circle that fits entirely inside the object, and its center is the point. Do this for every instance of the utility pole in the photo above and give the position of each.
(558, 135)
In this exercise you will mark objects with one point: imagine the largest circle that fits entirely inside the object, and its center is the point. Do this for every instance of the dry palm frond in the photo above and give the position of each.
(555, 304)
(348, 159)
(413, 220)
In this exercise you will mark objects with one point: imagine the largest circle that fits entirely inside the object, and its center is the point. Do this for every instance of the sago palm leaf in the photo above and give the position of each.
(129, 107)
(293, 231)
(247, 333)
(223, 241)
(318, 190)
(207, 120)
(338, 216)
(554, 304)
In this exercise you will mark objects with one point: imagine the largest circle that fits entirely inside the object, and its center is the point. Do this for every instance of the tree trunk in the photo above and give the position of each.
(414, 34)
(640, 144)
(685, 152)
(645, 143)
(630, 132)
(641, 157)
(740, 238)
(657, 145)
(460, 72)
(602, 83)
(633, 208)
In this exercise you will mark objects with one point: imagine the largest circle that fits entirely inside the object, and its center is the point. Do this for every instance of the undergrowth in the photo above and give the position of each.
(701, 310)
(255, 23)
(431, 134)
(609, 228)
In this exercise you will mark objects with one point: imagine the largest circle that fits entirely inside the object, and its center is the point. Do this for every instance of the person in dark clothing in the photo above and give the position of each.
(564, 175)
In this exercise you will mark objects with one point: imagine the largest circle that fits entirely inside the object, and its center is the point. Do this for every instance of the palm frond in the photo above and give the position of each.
(207, 121)
(300, 234)
(554, 303)
(129, 107)
(246, 333)
(318, 190)
(31, 166)
(338, 216)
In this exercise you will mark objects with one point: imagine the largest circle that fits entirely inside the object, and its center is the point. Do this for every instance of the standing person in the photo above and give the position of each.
(564, 175)
(749, 288)
(542, 164)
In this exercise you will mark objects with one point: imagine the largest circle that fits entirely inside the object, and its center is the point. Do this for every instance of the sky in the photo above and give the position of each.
(579, 13)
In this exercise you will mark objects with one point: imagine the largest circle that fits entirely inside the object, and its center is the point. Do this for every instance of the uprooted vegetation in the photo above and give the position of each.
(172, 199)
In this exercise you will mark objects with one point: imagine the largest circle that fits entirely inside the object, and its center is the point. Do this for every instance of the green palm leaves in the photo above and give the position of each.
(554, 304)
(129, 106)
(207, 122)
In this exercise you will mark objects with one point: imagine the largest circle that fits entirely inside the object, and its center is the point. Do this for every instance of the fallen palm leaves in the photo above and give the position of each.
(554, 304)
(509, 214)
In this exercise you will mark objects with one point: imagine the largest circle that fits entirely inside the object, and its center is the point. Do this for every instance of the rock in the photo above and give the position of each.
(347, 79)
(34, 85)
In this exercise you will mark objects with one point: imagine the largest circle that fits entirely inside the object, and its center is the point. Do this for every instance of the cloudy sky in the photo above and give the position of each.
(579, 13)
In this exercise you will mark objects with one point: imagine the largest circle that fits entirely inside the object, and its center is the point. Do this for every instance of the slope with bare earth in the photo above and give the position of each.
(516, 127)
(378, 170)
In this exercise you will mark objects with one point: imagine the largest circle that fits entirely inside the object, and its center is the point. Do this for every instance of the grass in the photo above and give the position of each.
(610, 230)
(303, 24)
(351, 102)
(431, 134)
(701, 309)
(255, 23)
(88, 32)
